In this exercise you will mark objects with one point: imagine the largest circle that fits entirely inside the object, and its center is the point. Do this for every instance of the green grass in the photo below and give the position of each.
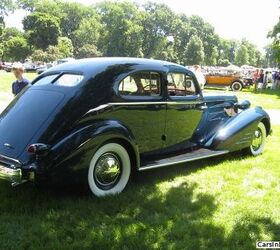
(268, 99)
(228, 202)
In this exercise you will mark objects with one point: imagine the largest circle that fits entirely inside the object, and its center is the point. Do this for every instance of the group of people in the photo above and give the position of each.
(261, 79)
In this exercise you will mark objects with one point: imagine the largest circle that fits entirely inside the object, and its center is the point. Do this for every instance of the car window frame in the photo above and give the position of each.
(59, 74)
(197, 95)
(142, 97)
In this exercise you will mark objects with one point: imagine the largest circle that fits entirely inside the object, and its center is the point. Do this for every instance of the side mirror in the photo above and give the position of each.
(243, 105)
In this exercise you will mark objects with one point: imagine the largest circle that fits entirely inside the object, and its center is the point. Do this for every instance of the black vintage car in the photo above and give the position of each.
(100, 119)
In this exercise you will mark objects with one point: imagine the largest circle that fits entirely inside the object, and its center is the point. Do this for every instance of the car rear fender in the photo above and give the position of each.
(78, 147)
(237, 133)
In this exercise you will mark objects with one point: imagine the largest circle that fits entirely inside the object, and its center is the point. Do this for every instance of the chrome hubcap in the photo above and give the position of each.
(257, 141)
(107, 170)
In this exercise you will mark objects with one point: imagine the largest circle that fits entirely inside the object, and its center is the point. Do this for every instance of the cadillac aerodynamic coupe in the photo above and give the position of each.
(99, 119)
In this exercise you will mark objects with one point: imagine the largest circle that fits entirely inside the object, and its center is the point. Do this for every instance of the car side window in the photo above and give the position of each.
(141, 84)
(180, 84)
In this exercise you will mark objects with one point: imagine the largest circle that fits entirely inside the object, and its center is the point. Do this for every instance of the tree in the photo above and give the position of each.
(87, 51)
(42, 29)
(52, 54)
(123, 33)
(28, 5)
(242, 55)
(16, 49)
(88, 32)
(194, 52)
(39, 55)
(5, 7)
(274, 49)
(223, 62)
(212, 60)
(65, 47)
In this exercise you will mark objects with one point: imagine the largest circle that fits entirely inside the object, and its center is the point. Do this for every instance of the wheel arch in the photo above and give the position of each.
(267, 125)
(131, 150)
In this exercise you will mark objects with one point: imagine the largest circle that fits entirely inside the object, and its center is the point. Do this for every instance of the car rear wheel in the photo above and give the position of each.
(236, 86)
(109, 170)
(258, 142)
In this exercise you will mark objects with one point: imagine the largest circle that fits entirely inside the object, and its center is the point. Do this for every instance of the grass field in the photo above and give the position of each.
(228, 202)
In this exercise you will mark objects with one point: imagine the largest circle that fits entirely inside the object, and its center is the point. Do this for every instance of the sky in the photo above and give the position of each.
(250, 19)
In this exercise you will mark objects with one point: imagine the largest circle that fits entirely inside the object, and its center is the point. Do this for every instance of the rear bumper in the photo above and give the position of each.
(11, 170)
(13, 175)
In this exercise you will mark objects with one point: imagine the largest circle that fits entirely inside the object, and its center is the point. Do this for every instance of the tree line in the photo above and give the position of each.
(53, 29)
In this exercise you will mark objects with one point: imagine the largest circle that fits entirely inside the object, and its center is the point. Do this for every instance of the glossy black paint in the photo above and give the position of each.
(76, 121)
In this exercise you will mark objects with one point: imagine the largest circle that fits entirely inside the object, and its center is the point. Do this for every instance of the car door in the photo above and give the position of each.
(142, 109)
(184, 110)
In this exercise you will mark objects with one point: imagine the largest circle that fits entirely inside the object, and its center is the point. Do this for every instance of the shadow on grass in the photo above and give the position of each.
(143, 217)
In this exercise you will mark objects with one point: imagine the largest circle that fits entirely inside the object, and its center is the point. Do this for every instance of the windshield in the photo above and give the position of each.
(65, 79)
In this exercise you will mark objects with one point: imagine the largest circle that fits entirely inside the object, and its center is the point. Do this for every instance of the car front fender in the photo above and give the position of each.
(237, 133)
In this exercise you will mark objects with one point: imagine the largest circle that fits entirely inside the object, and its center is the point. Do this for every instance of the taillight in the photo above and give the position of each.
(38, 148)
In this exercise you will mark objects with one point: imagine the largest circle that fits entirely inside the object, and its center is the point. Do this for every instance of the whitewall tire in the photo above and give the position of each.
(109, 170)
(258, 142)
(236, 86)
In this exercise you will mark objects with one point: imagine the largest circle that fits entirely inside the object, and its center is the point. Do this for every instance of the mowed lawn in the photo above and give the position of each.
(228, 202)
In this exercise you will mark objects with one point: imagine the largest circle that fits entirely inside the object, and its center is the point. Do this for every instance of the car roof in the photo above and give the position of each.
(92, 65)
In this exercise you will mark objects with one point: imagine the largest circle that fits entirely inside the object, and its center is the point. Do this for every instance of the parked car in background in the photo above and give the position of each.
(40, 69)
(97, 120)
(65, 60)
(224, 78)
(7, 67)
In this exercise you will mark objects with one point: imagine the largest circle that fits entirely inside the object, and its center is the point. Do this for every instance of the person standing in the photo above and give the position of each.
(199, 76)
(255, 78)
(260, 80)
(21, 82)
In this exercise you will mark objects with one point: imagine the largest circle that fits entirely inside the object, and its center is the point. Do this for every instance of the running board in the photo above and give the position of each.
(190, 156)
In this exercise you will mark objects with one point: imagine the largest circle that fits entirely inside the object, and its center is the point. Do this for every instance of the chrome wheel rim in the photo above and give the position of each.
(236, 86)
(107, 171)
(257, 140)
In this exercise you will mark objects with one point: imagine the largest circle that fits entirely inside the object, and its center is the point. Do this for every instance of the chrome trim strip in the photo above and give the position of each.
(3, 158)
(182, 161)
(103, 106)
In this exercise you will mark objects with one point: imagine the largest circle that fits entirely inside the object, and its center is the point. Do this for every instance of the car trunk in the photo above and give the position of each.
(20, 121)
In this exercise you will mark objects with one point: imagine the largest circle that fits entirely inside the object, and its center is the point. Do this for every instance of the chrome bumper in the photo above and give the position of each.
(13, 175)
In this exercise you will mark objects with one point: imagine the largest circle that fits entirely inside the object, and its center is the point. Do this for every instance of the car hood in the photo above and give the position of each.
(216, 97)
(23, 118)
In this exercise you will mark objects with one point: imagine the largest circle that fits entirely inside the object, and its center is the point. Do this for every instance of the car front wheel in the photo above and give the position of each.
(109, 170)
(258, 141)
(236, 86)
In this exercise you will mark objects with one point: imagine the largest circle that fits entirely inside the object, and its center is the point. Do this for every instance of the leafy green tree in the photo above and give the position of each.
(123, 33)
(194, 52)
(65, 47)
(42, 29)
(273, 52)
(87, 51)
(157, 23)
(16, 49)
(28, 5)
(212, 60)
(52, 54)
(5, 7)
(88, 32)
(72, 15)
(39, 55)
(242, 55)
(223, 62)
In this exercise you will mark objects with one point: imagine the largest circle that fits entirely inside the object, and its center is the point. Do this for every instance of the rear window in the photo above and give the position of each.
(66, 79)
